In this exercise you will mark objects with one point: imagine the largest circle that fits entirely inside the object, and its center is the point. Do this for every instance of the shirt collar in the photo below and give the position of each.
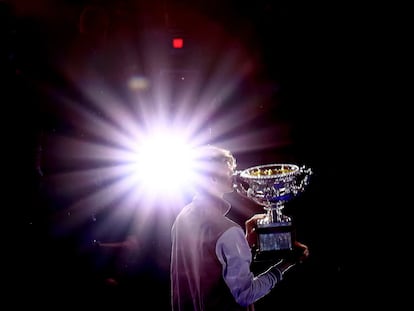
(212, 203)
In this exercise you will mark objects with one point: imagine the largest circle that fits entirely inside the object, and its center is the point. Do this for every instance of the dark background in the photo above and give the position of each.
(314, 62)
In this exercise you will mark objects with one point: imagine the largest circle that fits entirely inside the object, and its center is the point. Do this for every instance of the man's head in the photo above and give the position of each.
(216, 167)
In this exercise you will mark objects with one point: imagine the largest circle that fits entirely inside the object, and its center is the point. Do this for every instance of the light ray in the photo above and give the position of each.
(104, 163)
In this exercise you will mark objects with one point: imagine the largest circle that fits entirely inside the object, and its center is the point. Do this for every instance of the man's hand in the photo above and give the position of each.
(299, 253)
(301, 250)
(250, 225)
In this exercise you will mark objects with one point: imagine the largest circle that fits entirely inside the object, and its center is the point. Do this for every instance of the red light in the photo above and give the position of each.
(178, 43)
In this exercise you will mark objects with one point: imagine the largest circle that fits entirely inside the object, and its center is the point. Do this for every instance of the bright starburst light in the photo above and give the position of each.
(129, 153)
(164, 164)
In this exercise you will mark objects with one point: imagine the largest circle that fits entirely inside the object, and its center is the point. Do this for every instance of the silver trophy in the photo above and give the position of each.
(271, 186)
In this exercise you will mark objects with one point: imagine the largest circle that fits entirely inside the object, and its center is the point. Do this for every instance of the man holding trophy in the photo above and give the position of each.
(211, 255)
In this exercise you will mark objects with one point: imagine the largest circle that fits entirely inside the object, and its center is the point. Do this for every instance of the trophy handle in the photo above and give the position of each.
(304, 174)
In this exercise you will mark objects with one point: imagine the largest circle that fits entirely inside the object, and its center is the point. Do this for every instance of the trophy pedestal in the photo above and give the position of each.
(275, 240)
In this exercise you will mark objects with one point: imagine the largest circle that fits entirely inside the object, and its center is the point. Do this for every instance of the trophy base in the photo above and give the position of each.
(275, 241)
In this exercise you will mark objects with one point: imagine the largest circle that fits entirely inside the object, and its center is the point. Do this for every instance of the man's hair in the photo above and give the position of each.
(211, 158)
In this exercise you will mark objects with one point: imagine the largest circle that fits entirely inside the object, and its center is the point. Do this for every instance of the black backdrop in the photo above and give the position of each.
(309, 51)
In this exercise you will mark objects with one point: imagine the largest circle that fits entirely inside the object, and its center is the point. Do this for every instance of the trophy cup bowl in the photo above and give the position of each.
(271, 186)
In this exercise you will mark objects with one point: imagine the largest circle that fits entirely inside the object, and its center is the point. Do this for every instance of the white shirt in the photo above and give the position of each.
(235, 256)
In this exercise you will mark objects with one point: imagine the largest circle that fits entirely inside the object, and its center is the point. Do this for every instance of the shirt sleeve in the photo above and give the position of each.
(235, 256)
